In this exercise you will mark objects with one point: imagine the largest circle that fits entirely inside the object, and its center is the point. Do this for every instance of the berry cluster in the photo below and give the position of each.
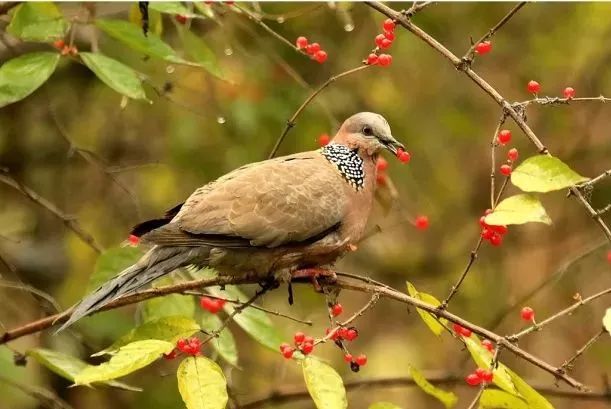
(494, 234)
(383, 41)
(355, 363)
(323, 140)
(212, 305)
(64, 48)
(483, 48)
(191, 346)
(503, 138)
(303, 343)
(528, 314)
(462, 331)
(480, 375)
(403, 156)
(314, 50)
(344, 334)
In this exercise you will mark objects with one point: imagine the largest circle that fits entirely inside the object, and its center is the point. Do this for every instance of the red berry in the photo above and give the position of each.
(483, 48)
(381, 179)
(209, 304)
(301, 42)
(486, 343)
(422, 222)
(390, 35)
(388, 25)
(320, 56)
(487, 234)
(381, 164)
(569, 93)
(384, 60)
(181, 343)
(498, 229)
(466, 332)
(133, 240)
(220, 303)
(337, 309)
(299, 337)
(284, 346)
(307, 348)
(527, 314)
(460, 330)
(403, 156)
(181, 19)
(170, 355)
(513, 154)
(308, 340)
(313, 48)
(59, 44)
(288, 352)
(372, 59)
(473, 380)
(324, 140)
(496, 239)
(350, 334)
(504, 136)
(348, 357)
(484, 374)
(378, 40)
(533, 87)
(505, 170)
(385, 43)
(361, 360)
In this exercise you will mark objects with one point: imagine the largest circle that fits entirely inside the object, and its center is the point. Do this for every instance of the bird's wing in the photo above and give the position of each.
(285, 200)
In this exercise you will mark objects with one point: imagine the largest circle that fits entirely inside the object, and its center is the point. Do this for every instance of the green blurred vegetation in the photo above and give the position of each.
(203, 127)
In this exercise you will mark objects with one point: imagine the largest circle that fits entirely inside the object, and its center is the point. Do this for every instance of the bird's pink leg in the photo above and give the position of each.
(313, 274)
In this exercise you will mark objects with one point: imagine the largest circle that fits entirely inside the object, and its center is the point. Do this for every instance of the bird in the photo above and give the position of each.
(277, 217)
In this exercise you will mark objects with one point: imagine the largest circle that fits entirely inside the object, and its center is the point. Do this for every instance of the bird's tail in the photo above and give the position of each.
(156, 263)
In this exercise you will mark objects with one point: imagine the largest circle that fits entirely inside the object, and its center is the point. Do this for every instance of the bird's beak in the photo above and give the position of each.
(393, 145)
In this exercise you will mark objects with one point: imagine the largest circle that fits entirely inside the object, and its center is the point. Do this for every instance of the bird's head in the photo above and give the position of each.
(368, 132)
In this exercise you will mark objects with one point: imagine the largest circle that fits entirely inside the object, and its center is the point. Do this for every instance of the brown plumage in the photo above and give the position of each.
(272, 217)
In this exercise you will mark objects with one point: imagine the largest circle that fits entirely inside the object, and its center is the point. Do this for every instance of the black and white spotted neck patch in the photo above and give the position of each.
(348, 162)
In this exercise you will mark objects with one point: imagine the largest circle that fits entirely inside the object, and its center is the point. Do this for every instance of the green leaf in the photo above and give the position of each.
(384, 405)
(197, 49)
(21, 76)
(324, 384)
(110, 263)
(607, 320)
(67, 366)
(129, 358)
(201, 384)
(132, 36)
(224, 344)
(535, 399)
(169, 329)
(544, 173)
(437, 325)
(495, 399)
(255, 322)
(38, 21)
(518, 209)
(483, 359)
(174, 8)
(116, 75)
(448, 399)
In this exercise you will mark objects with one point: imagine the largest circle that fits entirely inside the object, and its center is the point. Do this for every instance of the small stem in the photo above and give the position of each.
(455, 287)
(568, 364)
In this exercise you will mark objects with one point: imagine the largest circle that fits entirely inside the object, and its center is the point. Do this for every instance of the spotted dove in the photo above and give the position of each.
(267, 218)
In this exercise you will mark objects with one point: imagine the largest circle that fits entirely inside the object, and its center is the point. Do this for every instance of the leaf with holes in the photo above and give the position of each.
(68, 366)
(544, 173)
(132, 36)
(448, 399)
(224, 344)
(495, 399)
(116, 75)
(110, 263)
(129, 358)
(21, 76)
(169, 329)
(37, 21)
(324, 384)
(483, 359)
(254, 322)
(518, 209)
(435, 324)
(201, 384)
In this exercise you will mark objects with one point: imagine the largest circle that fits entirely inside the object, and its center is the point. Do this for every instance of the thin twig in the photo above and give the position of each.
(256, 307)
(69, 222)
(372, 301)
(28, 288)
(560, 314)
(568, 364)
(455, 287)
(291, 122)
(597, 179)
(560, 101)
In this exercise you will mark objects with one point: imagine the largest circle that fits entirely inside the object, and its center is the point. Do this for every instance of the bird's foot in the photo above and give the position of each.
(314, 274)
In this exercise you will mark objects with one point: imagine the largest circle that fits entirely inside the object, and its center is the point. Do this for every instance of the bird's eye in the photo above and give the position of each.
(367, 131)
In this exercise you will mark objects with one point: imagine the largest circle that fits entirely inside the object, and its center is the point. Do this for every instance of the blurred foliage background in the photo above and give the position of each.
(152, 156)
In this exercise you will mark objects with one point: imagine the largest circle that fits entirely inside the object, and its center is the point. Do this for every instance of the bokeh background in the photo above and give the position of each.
(148, 157)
